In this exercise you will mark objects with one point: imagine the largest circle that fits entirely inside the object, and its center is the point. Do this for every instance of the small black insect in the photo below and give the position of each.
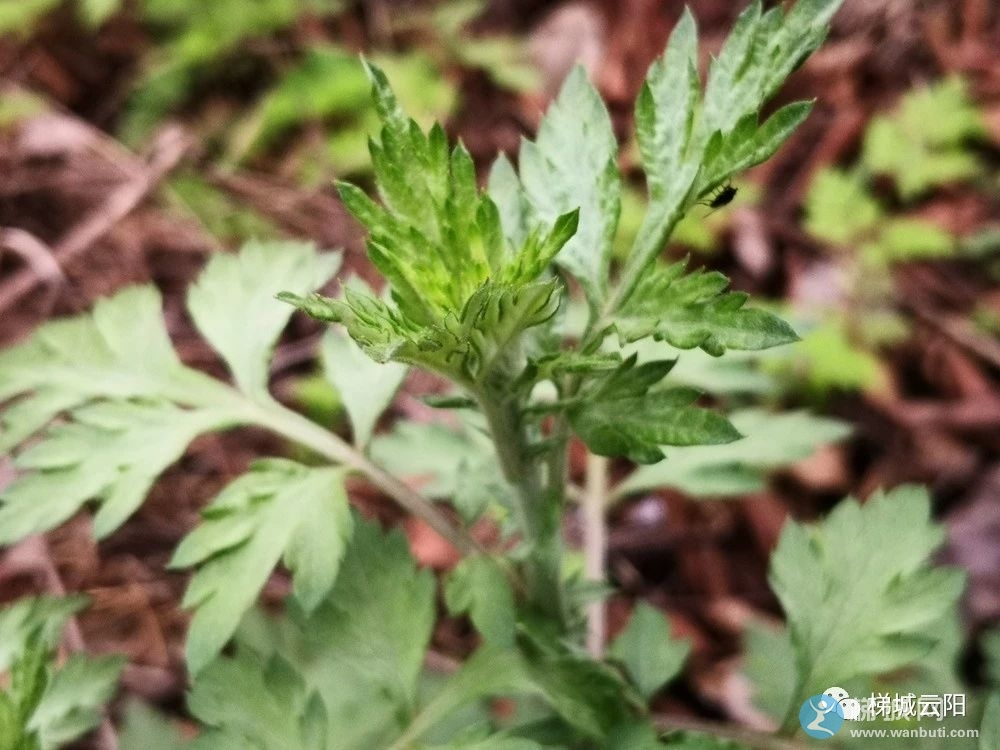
(722, 197)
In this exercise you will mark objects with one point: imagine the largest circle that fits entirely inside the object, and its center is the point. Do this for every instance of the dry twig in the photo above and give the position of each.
(168, 149)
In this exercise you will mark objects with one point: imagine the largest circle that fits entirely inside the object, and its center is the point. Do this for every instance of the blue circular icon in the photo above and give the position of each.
(821, 716)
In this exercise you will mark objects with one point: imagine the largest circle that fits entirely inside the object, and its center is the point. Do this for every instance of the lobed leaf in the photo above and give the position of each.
(463, 292)
(132, 407)
(922, 143)
(771, 441)
(74, 699)
(366, 386)
(694, 310)
(690, 145)
(651, 656)
(619, 415)
(249, 701)
(343, 675)
(280, 510)
(468, 346)
(479, 586)
(39, 618)
(233, 304)
(121, 350)
(111, 452)
(369, 638)
(572, 164)
(859, 591)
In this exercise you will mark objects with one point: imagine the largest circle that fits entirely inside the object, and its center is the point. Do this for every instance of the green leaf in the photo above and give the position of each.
(132, 405)
(760, 53)
(40, 618)
(366, 643)
(770, 667)
(688, 150)
(922, 143)
(771, 441)
(573, 164)
(489, 672)
(620, 416)
(989, 731)
(121, 350)
(29, 676)
(903, 239)
(429, 455)
(280, 510)
(665, 117)
(144, 729)
(233, 304)
(252, 702)
(342, 676)
(475, 344)
(112, 451)
(588, 695)
(694, 310)
(478, 586)
(750, 144)
(437, 239)
(652, 657)
(829, 360)
(839, 208)
(328, 82)
(366, 387)
(858, 590)
(73, 701)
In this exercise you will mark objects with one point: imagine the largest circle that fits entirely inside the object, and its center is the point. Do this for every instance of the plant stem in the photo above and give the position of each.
(646, 249)
(595, 542)
(538, 506)
(295, 427)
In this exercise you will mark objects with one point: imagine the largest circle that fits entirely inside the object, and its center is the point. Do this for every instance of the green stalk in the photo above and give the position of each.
(297, 428)
(537, 505)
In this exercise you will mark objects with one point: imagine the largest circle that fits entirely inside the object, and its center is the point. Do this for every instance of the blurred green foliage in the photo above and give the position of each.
(277, 68)
(829, 359)
(841, 209)
(221, 215)
(924, 141)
